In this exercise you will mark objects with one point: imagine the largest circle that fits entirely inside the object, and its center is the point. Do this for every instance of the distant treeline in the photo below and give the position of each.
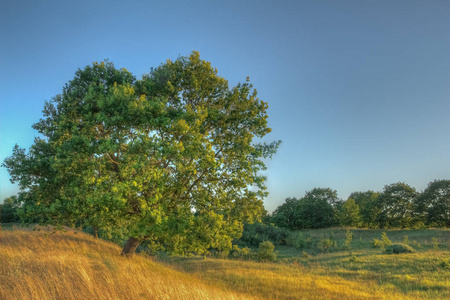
(397, 206)
(8, 210)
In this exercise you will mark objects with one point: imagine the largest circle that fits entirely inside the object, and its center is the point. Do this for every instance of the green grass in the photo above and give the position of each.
(420, 239)
(334, 274)
(329, 276)
(419, 274)
(411, 274)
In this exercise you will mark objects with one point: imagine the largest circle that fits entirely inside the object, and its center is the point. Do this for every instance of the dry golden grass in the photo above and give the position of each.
(331, 276)
(278, 281)
(73, 265)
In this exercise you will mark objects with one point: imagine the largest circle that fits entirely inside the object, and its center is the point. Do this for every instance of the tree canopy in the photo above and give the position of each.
(8, 210)
(396, 205)
(349, 214)
(317, 209)
(433, 204)
(170, 158)
(285, 215)
(367, 205)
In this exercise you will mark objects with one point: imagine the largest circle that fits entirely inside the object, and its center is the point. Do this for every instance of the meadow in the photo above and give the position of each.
(74, 265)
(364, 272)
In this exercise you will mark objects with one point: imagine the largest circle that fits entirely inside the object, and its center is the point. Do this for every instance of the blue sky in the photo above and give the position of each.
(358, 90)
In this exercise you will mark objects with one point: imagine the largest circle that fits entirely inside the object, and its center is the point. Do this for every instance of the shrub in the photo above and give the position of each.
(419, 225)
(353, 258)
(348, 240)
(325, 244)
(241, 253)
(399, 248)
(302, 242)
(385, 241)
(445, 263)
(221, 254)
(277, 235)
(265, 251)
(256, 233)
(435, 243)
(417, 245)
(376, 243)
(305, 255)
(406, 240)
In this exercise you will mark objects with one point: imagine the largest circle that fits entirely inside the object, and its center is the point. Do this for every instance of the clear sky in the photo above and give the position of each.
(359, 91)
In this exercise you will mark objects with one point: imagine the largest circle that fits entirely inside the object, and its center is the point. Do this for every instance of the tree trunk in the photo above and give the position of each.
(130, 246)
(96, 232)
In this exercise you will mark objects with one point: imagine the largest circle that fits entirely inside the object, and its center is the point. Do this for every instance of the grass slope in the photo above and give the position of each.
(71, 265)
(39, 265)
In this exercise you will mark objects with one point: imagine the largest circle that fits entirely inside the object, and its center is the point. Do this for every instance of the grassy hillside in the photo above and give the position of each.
(71, 265)
(39, 265)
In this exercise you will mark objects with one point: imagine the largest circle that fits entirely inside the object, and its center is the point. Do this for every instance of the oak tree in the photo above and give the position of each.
(172, 159)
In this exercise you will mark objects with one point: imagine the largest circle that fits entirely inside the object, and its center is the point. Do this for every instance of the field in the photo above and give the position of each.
(366, 273)
(73, 265)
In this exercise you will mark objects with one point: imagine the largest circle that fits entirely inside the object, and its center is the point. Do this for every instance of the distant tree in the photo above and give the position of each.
(317, 209)
(8, 210)
(285, 214)
(349, 214)
(396, 205)
(368, 208)
(169, 159)
(433, 204)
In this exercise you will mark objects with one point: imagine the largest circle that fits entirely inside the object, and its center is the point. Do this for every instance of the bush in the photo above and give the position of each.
(445, 263)
(326, 244)
(376, 243)
(241, 253)
(277, 235)
(348, 240)
(256, 233)
(221, 254)
(385, 241)
(406, 240)
(419, 225)
(399, 248)
(435, 243)
(301, 242)
(265, 251)
(353, 258)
